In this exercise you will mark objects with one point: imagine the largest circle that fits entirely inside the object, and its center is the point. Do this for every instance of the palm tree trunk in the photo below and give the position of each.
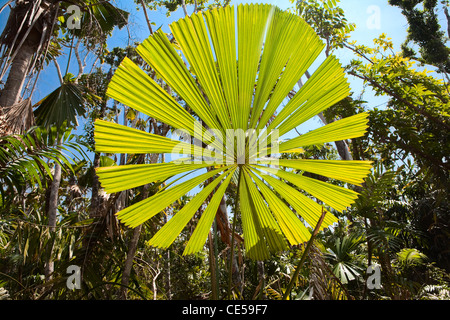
(224, 226)
(234, 278)
(18, 72)
(94, 210)
(53, 201)
(24, 39)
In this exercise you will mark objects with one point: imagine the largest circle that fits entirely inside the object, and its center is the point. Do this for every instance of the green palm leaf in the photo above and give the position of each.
(63, 104)
(237, 67)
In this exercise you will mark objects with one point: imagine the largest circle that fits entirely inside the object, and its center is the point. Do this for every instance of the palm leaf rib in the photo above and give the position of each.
(351, 127)
(200, 58)
(326, 86)
(292, 227)
(255, 245)
(302, 56)
(352, 172)
(201, 231)
(337, 197)
(146, 96)
(265, 219)
(142, 211)
(221, 28)
(251, 25)
(167, 234)
(120, 178)
(235, 68)
(302, 205)
(159, 53)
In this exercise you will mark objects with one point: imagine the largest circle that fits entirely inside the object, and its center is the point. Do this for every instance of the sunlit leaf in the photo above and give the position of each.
(237, 66)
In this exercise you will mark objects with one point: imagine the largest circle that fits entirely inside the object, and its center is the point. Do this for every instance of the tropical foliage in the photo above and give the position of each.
(122, 168)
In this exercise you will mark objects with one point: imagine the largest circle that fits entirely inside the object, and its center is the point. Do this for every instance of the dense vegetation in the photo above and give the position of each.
(54, 213)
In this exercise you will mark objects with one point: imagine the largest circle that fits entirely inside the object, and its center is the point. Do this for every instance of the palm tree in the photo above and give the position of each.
(234, 84)
(30, 39)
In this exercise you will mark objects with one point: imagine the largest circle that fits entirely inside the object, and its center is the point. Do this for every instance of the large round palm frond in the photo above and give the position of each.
(240, 66)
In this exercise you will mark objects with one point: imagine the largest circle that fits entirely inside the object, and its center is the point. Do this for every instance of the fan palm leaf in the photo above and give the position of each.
(63, 105)
(240, 64)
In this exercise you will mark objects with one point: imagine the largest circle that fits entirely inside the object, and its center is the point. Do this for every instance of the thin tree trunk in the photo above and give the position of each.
(94, 211)
(167, 280)
(261, 278)
(294, 277)
(213, 268)
(369, 258)
(155, 288)
(132, 248)
(234, 278)
(52, 213)
(95, 199)
(183, 5)
(53, 201)
(447, 15)
(149, 25)
(133, 245)
(129, 262)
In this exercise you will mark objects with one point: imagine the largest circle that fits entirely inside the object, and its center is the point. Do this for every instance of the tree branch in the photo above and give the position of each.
(149, 25)
(447, 15)
(401, 99)
(304, 256)
(183, 5)
(80, 62)
(58, 69)
(358, 52)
